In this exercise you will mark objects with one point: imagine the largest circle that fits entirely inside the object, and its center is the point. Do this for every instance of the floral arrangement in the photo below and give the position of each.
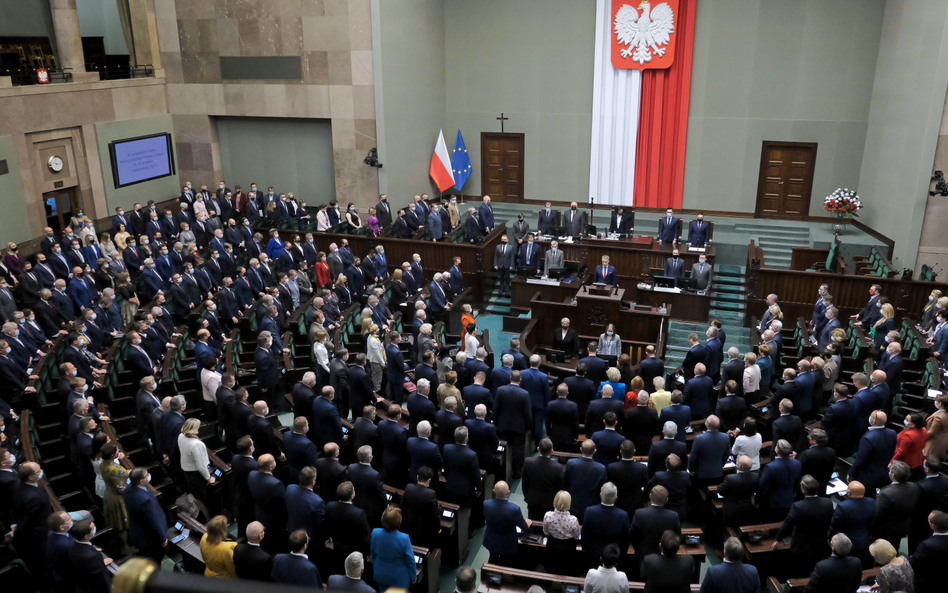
(843, 201)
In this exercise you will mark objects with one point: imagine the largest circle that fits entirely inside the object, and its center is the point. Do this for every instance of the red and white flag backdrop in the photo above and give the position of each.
(641, 87)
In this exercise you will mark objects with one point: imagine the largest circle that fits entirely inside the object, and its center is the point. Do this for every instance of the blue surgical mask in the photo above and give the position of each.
(42, 474)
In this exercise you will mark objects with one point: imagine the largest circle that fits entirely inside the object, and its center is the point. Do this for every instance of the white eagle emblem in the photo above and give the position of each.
(644, 34)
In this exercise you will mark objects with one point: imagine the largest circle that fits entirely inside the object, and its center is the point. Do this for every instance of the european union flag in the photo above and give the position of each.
(460, 163)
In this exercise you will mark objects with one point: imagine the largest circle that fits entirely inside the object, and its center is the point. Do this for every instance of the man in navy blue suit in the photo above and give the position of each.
(699, 232)
(839, 422)
(778, 482)
(394, 437)
(715, 354)
(434, 225)
(395, 372)
(266, 366)
(520, 361)
(731, 576)
(476, 393)
(562, 420)
(928, 560)
(583, 478)
(807, 523)
(697, 353)
(668, 228)
(85, 561)
(457, 278)
(295, 568)
(439, 300)
(605, 524)
(147, 526)
(698, 392)
(529, 255)
(58, 542)
(352, 580)
(648, 524)
(504, 264)
(664, 447)
(651, 367)
(870, 313)
(485, 215)
(608, 441)
(299, 450)
(423, 452)
(595, 367)
(596, 412)
(679, 414)
(326, 422)
(305, 509)
(855, 516)
(832, 323)
(536, 383)
(875, 451)
(891, 364)
(420, 408)
(448, 419)
(880, 390)
(818, 319)
(503, 518)
(461, 470)
(839, 572)
(483, 435)
(605, 273)
(513, 419)
(709, 454)
(806, 381)
(269, 498)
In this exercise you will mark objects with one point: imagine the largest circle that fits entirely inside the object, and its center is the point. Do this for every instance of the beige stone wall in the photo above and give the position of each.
(933, 242)
(334, 41)
(61, 118)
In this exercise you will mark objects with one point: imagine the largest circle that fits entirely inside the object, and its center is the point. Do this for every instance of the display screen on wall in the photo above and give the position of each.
(136, 160)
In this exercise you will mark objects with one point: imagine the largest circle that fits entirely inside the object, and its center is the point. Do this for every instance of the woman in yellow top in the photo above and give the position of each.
(114, 476)
(660, 399)
(218, 553)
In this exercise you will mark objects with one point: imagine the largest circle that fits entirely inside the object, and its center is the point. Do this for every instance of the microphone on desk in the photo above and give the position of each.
(616, 291)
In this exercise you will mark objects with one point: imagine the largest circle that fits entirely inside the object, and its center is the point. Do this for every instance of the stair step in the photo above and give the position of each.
(728, 298)
(768, 231)
(729, 306)
(730, 270)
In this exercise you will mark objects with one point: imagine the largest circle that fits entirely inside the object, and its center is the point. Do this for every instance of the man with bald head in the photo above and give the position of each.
(875, 451)
(250, 560)
(855, 516)
(880, 390)
(709, 453)
(261, 431)
(269, 497)
(503, 518)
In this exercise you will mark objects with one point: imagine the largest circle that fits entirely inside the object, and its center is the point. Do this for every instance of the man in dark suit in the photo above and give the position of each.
(242, 464)
(778, 482)
(369, 493)
(839, 422)
(608, 441)
(422, 452)
(709, 454)
(448, 421)
(305, 509)
(819, 460)
(595, 367)
(562, 421)
(546, 219)
(875, 451)
(679, 414)
(699, 232)
(461, 471)
(807, 523)
(664, 447)
(605, 273)
(574, 221)
(839, 572)
(698, 353)
(630, 477)
(326, 421)
(698, 392)
(855, 516)
(832, 323)
(650, 523)
(31, 509)
(171, 424)
(542, 479)
(346, 524)
(266, 367)
(668, 228)
(641, 424)
(503, 262)
(536, 383)
(788, 426)
(870, 313)
(269, 497)
(566, 339)
(605, 524)
(928, 560)
(352, 580)
(715, 355)
(931, 491)
(529, 255)
(513, 419)
(295, 568)
(261, 431)
(395, 459)
(503, 518)
(651, 367)
(85, 561)
(674, 266)
(330, 473)
(421, 514)
(895, 504)
(892, 365)
(737, 492)
(520, 361)
(300, 451)
(596, 413)
(731, 576)
(58, 543)
(483, 436)
(731, 408)
(583, 478)
(147, 526)
(250, 560)
(668, 570)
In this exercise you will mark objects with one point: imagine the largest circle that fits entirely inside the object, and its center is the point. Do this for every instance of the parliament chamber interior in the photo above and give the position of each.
(286, 305)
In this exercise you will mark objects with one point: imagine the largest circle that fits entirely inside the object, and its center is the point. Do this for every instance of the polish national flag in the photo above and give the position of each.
(440, 168)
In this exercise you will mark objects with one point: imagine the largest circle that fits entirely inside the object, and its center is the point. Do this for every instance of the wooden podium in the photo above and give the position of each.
(598, 307)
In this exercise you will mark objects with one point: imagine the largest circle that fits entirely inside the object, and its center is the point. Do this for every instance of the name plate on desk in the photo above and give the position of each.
(664, 289)
(697, 249)
(547, 282)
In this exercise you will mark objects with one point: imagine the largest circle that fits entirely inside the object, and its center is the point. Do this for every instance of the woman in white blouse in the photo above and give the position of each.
(748, 443)
(210, 381)
(751, 380)
(321, 356)
(194, 459)
(376, 356)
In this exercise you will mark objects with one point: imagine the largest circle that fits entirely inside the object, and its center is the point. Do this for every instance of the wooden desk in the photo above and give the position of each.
(630, 258)
(687, 306)
(524, 290)
(795, 585)
(515, 580)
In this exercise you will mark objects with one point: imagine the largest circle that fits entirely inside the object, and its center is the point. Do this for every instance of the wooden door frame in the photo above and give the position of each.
(74, 203)
(523, 141)
(762, 175)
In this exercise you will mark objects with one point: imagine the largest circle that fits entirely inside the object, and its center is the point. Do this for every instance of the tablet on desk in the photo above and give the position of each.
(447, 514)
(178, 526)
(178, 539)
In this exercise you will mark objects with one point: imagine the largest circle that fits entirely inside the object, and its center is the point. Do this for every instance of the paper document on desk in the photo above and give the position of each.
(836, 486)
(730, 465)
(933, 393)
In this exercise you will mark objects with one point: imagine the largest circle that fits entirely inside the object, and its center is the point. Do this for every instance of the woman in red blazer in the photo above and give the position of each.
(910, 444)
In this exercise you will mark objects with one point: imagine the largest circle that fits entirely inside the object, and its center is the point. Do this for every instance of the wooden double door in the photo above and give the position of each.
(786, 179)
(502, 166)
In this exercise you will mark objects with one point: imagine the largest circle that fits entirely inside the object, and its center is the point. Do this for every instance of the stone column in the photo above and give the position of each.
(68, 38)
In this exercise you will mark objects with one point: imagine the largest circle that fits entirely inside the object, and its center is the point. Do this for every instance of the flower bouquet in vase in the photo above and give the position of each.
(841, 202)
